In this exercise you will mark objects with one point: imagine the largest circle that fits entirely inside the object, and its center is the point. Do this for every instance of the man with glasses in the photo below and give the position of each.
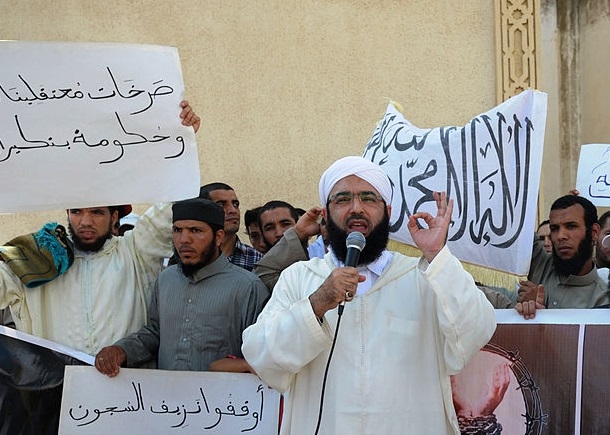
(408, 323)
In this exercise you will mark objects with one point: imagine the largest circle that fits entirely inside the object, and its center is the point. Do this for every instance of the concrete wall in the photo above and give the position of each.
(595, 65)
(574, 61)
(550, 83)
(285, 87)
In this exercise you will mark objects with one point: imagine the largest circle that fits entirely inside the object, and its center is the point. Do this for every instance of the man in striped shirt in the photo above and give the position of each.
(200, 306)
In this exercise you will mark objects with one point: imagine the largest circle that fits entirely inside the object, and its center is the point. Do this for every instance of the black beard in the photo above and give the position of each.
(376, 242)
(94, 246)
(189, 270)
(573, 265)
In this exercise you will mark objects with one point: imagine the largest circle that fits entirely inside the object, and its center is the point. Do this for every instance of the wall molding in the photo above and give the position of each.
(517, 47)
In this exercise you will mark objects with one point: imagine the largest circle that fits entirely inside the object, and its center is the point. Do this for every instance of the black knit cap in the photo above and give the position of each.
(198, 209)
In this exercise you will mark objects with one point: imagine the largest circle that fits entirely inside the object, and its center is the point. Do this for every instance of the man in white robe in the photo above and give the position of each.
(408, 324)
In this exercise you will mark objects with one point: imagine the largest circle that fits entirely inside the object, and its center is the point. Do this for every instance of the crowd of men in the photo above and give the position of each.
(177, 289)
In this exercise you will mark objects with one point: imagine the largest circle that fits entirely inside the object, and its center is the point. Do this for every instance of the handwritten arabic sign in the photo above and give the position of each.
(490, 168)
(593, 177)
(165, 402)
(84, 124)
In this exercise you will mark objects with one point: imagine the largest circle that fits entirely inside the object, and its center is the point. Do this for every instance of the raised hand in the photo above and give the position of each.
(188, 116)
(307, 225)
(432, 239)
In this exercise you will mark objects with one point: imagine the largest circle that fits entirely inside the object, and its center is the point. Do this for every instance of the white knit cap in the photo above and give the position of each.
(361, 168)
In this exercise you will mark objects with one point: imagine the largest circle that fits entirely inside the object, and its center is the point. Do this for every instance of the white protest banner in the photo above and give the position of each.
(165, 402)
(89, 124)
(490, 168)
(48, 344)
(593, 176)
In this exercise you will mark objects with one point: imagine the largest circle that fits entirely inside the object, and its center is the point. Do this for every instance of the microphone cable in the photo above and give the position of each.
(355, 242)
(330, 355)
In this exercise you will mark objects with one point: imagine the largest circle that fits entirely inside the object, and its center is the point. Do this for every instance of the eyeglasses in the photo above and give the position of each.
(344, 198)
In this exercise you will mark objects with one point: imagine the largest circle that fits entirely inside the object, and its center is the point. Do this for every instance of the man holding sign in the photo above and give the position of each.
(80, 291)
(200, 306)
(102, 295)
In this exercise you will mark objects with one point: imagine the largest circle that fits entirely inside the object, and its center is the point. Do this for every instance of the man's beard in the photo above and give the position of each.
(376, 241)
(93, 246)
(573, 265)
(207, 257)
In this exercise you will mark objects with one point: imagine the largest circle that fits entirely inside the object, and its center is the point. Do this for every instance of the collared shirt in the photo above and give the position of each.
(196, 320)
(244, 256)
(371, 271)
(317, 248)
(575, 291)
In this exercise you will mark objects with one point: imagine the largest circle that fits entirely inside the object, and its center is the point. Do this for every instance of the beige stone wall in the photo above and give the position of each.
(595, 67)
(287, 86)
(594, 77)
(550, 60)
(575, 62)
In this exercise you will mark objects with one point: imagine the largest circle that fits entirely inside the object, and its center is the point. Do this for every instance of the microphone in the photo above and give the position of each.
(355, 242)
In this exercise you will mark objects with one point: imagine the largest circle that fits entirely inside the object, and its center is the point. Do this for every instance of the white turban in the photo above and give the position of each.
(361, 168)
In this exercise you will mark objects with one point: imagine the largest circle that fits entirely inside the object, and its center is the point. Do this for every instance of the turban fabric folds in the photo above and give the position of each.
(361, 168)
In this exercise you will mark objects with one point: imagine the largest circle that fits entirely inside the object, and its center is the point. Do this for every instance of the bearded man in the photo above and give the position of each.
(213, 300)
(408, 324)
(568, 278)
(102, 296)
(82, 298)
